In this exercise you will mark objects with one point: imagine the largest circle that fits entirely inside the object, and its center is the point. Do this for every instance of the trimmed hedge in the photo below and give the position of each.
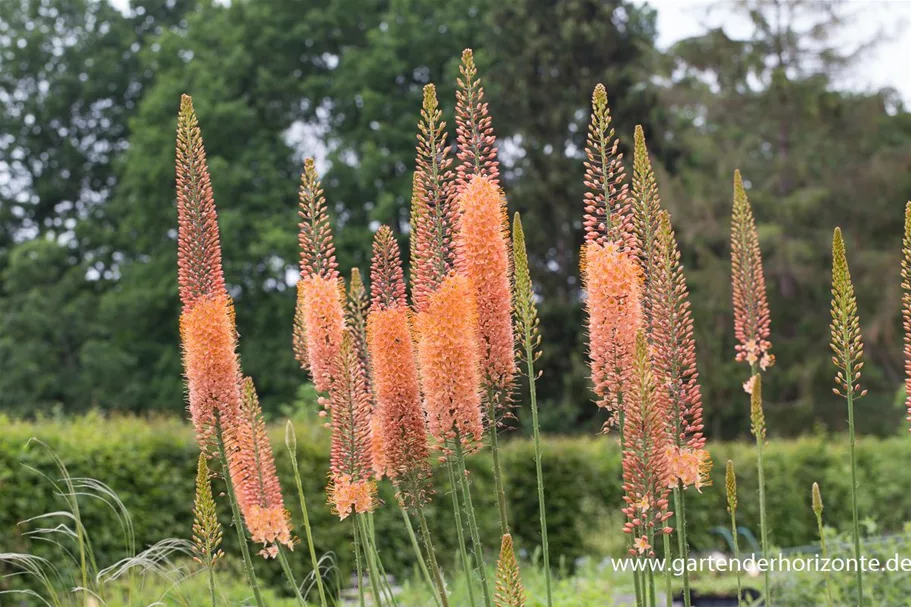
(151, 464)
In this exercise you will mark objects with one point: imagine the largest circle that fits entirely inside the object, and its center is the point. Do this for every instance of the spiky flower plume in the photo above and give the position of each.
(482, 246)
(757, 416)
(449, 364)
(207, 532)
(351, 486)
(751, 309)
(395, 374)
(208, 335)
(317, 251)
(673, 346)
(730, 485)
(252, 464)
(475, 140)
(607, 206)
(433, 216)
(526, 311)
(612, 280)
(646, 211)
(645, 464)
(510, 591)
(357, 305)
(846, 340)
(324, 320)
(817, 500)
(906, 304)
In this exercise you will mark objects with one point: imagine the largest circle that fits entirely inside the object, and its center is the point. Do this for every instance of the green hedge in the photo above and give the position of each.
(151, 464)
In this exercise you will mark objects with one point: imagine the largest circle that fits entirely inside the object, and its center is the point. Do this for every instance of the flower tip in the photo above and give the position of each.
(817, 500)
(290, 436)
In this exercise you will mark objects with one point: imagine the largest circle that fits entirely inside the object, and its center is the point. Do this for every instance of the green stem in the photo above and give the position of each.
(734, 535)
(212, 585)
(536, 431)
(472, 521)
(682, 545)
(825, 555)
(288, 574)
(238, 521)
(460, 530)
(495, 451)
(417, 551)
(432, 557)
(668, 589)
(384, 579)
(309, 534)
(640, 584)
(762, 519)
(850, 395)
(651, 572)
(357, 561)
(369, 556)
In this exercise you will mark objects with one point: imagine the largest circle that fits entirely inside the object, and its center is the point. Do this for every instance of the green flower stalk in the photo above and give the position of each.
(510, 592)
(530, 339)
(848, 349)
(730, 485)
(757, 428)
(207, 532)
(817, 510)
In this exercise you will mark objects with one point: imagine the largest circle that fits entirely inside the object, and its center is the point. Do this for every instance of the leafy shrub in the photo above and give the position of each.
(151, 464)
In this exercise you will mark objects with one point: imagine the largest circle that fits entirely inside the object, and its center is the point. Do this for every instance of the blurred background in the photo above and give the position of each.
(809, 99)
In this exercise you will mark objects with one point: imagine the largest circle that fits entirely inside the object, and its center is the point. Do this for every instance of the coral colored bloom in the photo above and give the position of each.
(474, 134)
(641, 545)
(210, 364)
(377, 446)
(482, 247)
(690, 467)
(613, 284)
(347, 496)
(324, 320)
(448, 362)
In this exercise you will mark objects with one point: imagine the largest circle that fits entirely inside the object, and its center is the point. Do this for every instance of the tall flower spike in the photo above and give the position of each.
(751, 309)
(199, 271)
(252, 464)
(395, 375)
(356, 307)
(817, 500)
(645, 465)
(906, 304)
(207, 532)
(646, 210)
(351, 487)
(673, 346)
(607, 207)
(317, 251)
(476, 143)
(433, 214)
(526, 310)
(757, 416)
(613, 281)
(207, 332)
(510, 592)
(324, 322)
(846, 340)
(730, 485)
(299, 330)
(482, 246)
(448, 360)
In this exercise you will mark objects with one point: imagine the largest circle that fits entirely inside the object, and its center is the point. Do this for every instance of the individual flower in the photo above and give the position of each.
(475, 140)
(405, 450)
(482, 247)
(641, 545)
(607, 208)
(751, 309)
(612, 280)
(447, 353)
(433, 216)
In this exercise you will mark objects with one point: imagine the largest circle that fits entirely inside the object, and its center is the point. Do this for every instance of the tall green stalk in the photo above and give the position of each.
(668, 589)
(527, 321)
(422, 562)
(730, 483)
(384, 579)
(358, 564)
(757, 426)
(817, 510)
(370, 557)
(238, 521)
(460, 530)
(432, 557)
(291, 444)
(854, 515)
(492, 399)
(472, 521)
(286, 568)
(651, 572)
(682, 545)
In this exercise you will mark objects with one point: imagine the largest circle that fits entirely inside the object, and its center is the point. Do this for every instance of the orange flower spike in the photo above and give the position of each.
(646, 468)
(475, 140)
(607, 203)
(395, 374)
(324, 320)
(673, 346)
(646, 210)
(252, 468)
(207, 330)
(317, 251)
(433, 215)
(448, 361)
(483, 254)
(199, 271)
(613, 284)
(752, 324)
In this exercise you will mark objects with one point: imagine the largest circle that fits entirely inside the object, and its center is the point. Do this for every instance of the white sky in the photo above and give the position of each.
(887, 65)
